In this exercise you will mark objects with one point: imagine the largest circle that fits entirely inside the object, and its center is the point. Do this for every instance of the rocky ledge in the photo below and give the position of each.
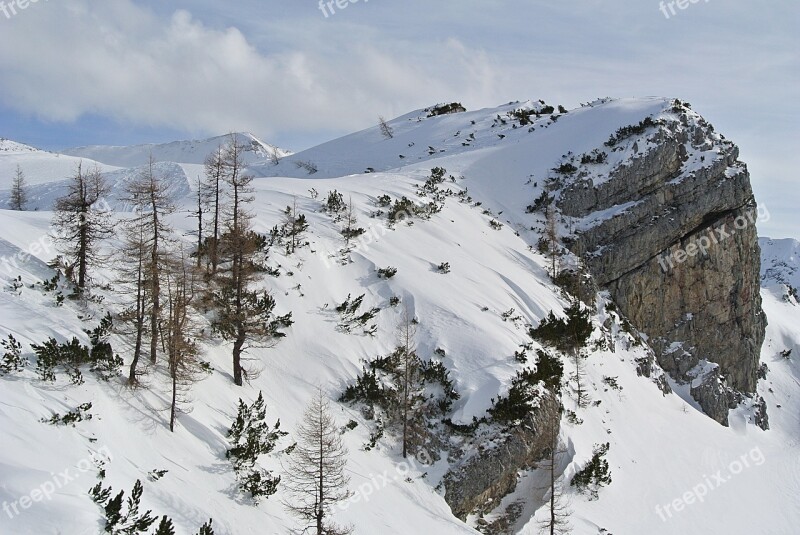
(671, 233)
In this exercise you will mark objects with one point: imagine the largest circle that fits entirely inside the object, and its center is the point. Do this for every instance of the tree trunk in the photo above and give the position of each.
(174, 397)
(321, 498)
(405, 407)
(237, 359)
(137, 349)
(553, 489)
(155, 312)
(83, 247)
(214, 253)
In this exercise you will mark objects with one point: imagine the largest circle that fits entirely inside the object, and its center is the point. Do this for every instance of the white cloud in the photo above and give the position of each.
(119, 60)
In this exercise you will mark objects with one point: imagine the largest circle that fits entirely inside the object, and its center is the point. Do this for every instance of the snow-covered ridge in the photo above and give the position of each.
(780, 260)
(182, 152)
(8, 146)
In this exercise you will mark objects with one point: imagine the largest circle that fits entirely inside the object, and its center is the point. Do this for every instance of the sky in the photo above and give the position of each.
(295, 73)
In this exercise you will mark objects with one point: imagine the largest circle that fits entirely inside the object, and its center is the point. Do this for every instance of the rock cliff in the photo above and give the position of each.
(671, 233)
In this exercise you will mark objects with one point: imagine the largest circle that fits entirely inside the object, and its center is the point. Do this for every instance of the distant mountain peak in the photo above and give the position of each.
(8, 146)
(192, 151)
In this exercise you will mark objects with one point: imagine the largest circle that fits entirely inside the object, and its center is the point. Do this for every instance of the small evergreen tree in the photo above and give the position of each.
(569, 335)
(206, 528)
(19, 191)
(294, 227)
(165, 527)
(119, 522)
(12, 360)
(595, 474)
(250, 437)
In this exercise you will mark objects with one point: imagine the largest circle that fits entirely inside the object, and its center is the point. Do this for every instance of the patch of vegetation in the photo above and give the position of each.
(334, 203)
(565, 334)
(401, 209)
(351, 316)
(612, 382)
(250, 437)
(594, 157)
(69, 356)
(410, 395)
(629, 131)
(540, 203)
(444, 267)
(444, 109)
(308, 166)
(519, 402)
(595, 474)
(387, 272)
(566, 168)
(119, 522)
(12, 360)
(80, 414)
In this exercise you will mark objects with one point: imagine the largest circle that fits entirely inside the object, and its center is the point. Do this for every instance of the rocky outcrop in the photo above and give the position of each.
(680, 254)
(478, 482)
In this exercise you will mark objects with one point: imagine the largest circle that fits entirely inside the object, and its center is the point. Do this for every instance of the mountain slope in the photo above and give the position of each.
(661, 446)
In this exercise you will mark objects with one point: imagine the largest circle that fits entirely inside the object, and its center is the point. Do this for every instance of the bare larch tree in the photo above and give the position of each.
(315, 471)
(80, 221)
(243, 315)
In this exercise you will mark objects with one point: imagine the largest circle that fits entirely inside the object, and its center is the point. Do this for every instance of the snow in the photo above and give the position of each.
(661, 446)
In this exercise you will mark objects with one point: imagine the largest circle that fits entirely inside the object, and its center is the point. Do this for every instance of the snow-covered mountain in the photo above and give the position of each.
(182, 152)
(674, 470)
(780, 262)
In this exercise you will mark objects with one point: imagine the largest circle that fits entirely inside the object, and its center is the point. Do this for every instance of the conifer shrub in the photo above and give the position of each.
(444, 109)
(80, 414)
(595, 474)
(12, 360)
(629, 131)
(565, 334)
(387, 272)
(250, 437)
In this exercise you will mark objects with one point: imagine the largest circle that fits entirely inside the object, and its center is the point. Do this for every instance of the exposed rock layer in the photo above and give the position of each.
(682, 261)
(479, 482)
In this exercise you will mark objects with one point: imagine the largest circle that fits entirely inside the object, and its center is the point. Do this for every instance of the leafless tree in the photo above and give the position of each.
(407, 372)
(181, 333)
(315, 472)
(198, 213)
(80, 221)
(217, 165)
(148, 193)
(557, 519)
(242, 315)
(551, 232)
(19, 191)
(132, 274)
(386, 130)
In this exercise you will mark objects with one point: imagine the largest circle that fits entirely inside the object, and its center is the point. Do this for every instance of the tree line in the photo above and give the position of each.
(171, 289)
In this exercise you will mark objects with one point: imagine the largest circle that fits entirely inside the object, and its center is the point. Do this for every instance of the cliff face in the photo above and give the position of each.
(478, 483)
(671, 233)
